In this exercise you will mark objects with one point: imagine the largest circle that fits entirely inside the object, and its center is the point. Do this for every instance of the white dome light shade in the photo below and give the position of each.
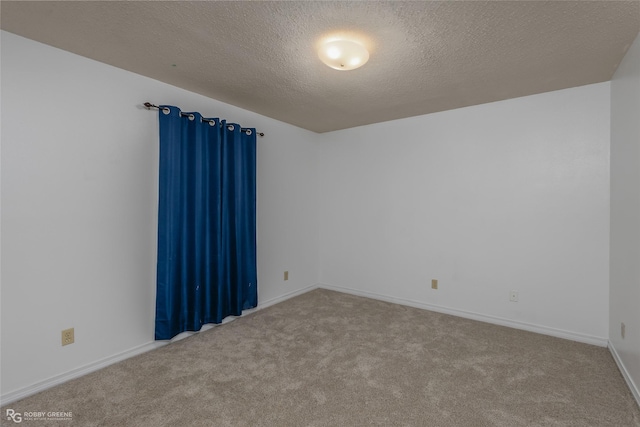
(343, 54)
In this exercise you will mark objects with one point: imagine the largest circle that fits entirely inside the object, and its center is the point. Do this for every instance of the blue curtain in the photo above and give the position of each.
(206, 222)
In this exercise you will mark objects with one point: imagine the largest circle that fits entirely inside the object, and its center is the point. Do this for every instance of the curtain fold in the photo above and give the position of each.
(207, 266)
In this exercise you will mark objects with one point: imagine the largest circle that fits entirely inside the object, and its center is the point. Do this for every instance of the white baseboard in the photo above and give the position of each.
(281, 298)
(103, 363)
(545, 330)
(625, 374)
(76, 373)
(91, 367)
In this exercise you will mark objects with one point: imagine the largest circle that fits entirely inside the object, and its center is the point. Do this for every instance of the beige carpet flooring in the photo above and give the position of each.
(331, 359)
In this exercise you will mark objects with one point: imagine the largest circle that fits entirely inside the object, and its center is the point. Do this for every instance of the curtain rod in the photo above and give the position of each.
(150, 106)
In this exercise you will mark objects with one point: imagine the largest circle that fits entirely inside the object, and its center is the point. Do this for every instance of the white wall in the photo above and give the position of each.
(625, 215)
(79, 207)
(512, 195)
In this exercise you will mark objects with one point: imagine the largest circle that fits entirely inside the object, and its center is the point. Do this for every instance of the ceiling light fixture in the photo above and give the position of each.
(343, 54)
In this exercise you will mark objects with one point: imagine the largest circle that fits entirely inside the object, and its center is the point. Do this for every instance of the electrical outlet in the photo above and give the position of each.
(623, 329)
(286, 275)
(67, 336)
(513, 296)
(434, 283)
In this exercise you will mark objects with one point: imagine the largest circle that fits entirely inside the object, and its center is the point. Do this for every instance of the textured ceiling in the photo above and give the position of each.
(425, 56)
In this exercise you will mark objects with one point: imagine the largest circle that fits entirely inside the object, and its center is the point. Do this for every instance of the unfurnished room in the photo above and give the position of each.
(320, 213)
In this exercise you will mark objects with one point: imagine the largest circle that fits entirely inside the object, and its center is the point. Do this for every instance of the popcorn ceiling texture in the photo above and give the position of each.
(425, 56)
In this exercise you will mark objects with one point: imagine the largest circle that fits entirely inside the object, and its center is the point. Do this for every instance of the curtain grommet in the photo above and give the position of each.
(166, 110)
(230, 127)
(248, 132)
